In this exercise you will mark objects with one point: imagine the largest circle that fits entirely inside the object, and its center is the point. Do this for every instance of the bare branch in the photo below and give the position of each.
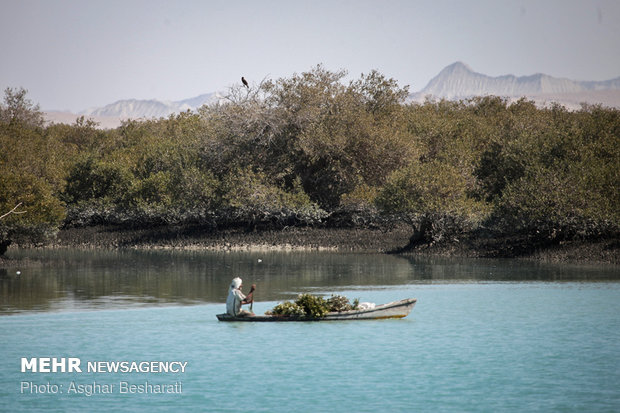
(13, 211)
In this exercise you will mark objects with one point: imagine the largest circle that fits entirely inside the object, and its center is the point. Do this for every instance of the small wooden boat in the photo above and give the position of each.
(396, 309)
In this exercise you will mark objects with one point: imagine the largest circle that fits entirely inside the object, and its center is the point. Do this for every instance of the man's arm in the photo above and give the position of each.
(250, 297)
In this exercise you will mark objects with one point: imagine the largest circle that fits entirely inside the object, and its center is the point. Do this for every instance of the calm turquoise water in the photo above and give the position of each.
(471, 343)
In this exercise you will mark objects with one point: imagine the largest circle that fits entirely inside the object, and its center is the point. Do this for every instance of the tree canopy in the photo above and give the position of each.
(304, 149)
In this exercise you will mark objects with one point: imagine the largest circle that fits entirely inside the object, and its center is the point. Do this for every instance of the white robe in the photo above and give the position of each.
(233, 302)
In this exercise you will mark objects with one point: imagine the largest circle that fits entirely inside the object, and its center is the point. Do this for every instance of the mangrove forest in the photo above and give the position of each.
(314, 150)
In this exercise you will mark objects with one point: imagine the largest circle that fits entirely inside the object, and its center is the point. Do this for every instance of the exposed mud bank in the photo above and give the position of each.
(393, 240)
(293, 238)
(361, 240)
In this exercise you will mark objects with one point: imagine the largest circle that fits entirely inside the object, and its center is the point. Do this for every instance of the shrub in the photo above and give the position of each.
(433, 198)
(94, 179)
(312, 306)
(339, 303)
(288, 308)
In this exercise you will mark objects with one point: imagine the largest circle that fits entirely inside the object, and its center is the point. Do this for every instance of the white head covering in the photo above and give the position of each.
(236, 283)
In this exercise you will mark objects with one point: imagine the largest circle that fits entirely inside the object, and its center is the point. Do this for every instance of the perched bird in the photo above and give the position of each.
(245, 82)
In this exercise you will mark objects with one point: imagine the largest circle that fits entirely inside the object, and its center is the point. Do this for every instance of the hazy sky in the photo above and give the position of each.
(74, 54)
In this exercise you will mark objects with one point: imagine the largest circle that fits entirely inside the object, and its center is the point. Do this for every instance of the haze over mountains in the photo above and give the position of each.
(459, 81)
(135, 108)
(454, 82)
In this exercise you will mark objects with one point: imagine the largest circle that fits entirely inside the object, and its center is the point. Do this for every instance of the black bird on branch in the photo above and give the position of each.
(245, 82)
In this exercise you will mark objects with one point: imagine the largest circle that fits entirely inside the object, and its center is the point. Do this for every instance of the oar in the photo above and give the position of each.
(252, 293)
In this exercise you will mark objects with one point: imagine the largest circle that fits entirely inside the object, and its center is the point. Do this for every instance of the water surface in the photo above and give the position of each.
(484, 335)
(57, 280)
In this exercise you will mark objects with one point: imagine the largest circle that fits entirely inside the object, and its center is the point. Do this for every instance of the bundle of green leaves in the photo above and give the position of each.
(312, 306)
(337, 303)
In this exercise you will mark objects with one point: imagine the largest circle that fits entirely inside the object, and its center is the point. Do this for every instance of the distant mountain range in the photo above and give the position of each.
(459, 81)
(135, 108)
(456, 81)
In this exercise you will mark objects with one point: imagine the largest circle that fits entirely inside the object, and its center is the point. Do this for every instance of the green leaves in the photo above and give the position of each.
(313, 306)
(19, 110)
(92, 178)
(312, 150)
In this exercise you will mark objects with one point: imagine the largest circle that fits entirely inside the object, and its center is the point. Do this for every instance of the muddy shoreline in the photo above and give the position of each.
(236, 239)
(359, 240)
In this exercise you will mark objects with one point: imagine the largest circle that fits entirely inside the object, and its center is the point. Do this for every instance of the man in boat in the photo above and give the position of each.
(236, 298)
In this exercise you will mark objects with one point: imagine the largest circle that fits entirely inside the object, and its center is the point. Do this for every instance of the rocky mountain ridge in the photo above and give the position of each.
(458, 81)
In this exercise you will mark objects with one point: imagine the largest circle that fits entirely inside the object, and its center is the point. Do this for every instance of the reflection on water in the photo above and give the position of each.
(73, 279)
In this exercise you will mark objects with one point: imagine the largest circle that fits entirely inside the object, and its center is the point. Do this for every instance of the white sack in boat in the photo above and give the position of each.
(366, 306)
